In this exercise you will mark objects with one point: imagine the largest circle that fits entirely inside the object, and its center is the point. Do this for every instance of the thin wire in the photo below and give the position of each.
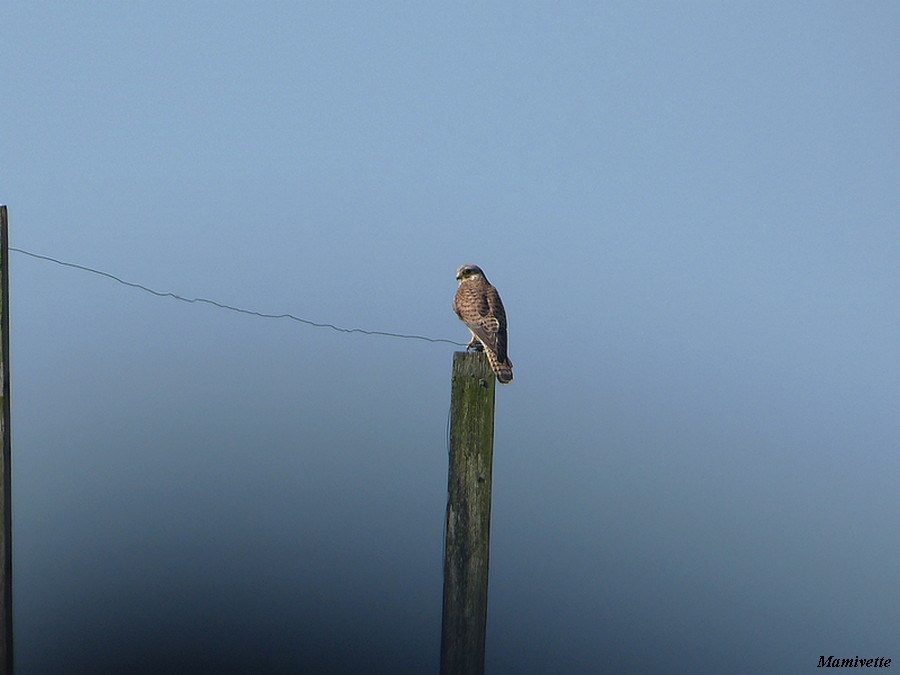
(232, 308)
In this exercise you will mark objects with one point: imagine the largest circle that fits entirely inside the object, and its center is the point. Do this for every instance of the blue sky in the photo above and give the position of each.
(690, 210)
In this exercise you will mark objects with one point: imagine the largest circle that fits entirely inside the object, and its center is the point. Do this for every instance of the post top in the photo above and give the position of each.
(472, 364)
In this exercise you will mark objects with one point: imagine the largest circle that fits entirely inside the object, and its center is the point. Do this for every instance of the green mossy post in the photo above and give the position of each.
(6, 627)
(467, 537)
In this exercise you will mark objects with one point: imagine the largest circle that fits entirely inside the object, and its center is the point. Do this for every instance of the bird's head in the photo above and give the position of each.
(465, 272)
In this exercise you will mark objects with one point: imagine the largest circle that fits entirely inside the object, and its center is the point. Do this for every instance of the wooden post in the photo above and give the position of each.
(467, 537)
(6, 625)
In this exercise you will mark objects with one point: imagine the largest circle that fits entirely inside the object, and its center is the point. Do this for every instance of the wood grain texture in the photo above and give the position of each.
(467, 535)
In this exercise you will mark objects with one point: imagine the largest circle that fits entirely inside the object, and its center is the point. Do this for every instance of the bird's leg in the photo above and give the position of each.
(474, 345)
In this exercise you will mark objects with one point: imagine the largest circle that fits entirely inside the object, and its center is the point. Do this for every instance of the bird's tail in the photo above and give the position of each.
(503, 370)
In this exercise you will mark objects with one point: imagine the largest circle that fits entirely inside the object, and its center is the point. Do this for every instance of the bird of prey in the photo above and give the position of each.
(478, 304)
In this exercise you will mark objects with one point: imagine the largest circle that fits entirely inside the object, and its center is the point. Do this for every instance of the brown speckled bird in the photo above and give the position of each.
(478, 304)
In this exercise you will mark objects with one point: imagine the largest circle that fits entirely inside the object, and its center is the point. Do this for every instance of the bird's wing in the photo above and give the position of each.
(486, 319)
(498, 323)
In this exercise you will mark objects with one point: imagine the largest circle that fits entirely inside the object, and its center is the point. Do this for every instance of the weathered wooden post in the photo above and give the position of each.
(467, 537)
(6, 626)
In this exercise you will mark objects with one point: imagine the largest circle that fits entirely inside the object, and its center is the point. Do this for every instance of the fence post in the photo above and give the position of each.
(467, 535)
(6, 625)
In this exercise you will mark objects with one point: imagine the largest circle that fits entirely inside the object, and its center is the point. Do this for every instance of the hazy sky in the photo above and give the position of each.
(691, 212)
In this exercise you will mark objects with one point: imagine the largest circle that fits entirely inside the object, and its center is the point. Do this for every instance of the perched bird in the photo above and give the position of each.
(478, 304)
